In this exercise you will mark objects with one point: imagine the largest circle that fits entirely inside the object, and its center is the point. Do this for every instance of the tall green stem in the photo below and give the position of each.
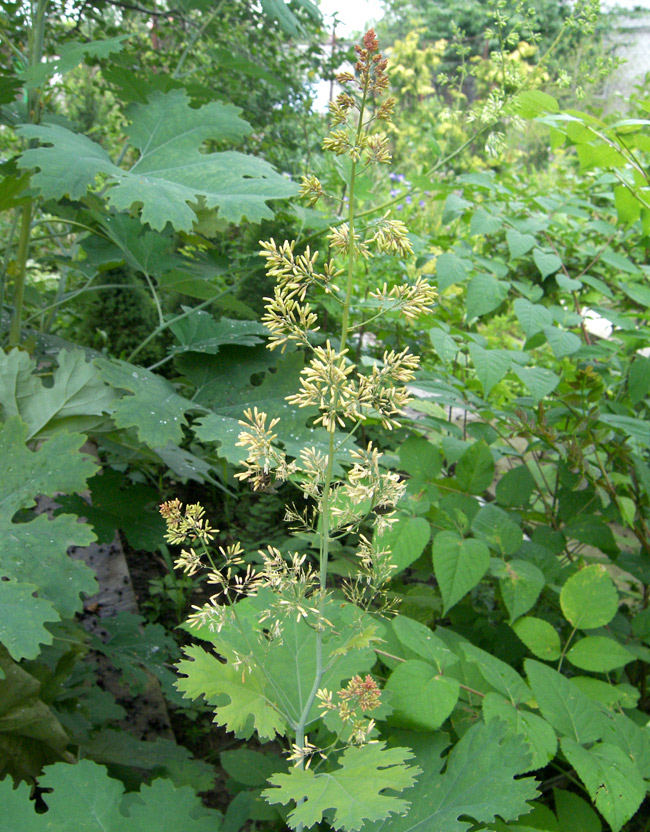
(21, 272)
(36, 39)
(327, 484)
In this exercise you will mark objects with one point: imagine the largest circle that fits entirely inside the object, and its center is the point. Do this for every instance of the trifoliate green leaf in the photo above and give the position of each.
(472, 786)
(354, 790)
(172, 174)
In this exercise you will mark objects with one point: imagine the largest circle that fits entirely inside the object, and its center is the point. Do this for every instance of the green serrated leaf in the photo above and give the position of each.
(589, 598)
(458, 565)
(355, 791)
(450, 269)
(118, 503)
(171, 174)
(443, 344)
(472, 786)
(251, 768)
(537, 733)
(639, 379)
(271, 690)
(574, 813)
(484, 294)
(76, 393)
(208, 677)
(98, 804)
(498, 674)
(546, 261)
(494, 526)
(22, 634)
(419, 639)
(611, 778)
(36, 552)
(406, 540)
(562, 704)
(539, 380)
(199, 332)
(154, 409)
(521, 583)
(30, 733)
(483, 222)
(519, 244)
(561, 342)
(515, 487)
(70, 55)
(533, 317)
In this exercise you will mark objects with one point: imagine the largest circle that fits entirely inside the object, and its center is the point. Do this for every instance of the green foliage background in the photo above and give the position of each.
(146, 153)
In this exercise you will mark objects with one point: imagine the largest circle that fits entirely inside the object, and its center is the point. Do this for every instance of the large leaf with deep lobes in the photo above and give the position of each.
(355, 790)
(85, 798)
(151, 406)
(35, 552)
(479, 781)
(75, 399)
(172, 175)
(270, 691)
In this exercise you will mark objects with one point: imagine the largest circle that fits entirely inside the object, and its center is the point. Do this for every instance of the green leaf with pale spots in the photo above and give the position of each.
(611, 778)
(154, 409)
(22, 635)
(172, 176)
(35, 552)
(355, 790)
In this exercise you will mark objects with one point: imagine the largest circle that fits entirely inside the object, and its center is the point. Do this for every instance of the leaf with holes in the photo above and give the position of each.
(35, 552)
(612, 780)
(97, 802)
(153, 407)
